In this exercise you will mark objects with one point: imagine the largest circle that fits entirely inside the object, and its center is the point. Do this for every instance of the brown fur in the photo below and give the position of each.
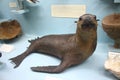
(72, 49)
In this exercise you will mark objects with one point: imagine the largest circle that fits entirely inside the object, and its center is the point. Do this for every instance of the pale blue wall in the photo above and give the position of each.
(39, 21)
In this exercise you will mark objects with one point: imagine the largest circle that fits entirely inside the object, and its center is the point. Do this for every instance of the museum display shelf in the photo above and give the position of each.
(20, 11)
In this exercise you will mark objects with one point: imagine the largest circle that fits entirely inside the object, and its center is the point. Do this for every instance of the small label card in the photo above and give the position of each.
(6, 48)
(70, 11)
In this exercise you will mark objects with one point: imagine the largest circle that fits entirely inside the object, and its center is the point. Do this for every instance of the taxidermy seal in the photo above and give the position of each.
(72, 49)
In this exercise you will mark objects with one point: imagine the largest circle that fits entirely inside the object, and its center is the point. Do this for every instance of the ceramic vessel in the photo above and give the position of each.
(9, 29)
(111, 25)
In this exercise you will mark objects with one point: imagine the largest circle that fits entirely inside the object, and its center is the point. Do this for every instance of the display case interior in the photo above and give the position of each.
(39, 22)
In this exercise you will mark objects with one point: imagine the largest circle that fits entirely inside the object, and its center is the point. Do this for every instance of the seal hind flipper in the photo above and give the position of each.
(18, 59)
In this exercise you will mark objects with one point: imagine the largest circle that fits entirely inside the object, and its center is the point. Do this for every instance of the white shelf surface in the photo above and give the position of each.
(91, 69)
(20, 11)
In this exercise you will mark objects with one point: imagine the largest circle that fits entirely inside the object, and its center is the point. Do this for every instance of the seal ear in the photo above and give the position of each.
(96, 18)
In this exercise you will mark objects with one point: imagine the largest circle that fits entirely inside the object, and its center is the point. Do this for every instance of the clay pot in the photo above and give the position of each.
(9, 29)
(111, 25)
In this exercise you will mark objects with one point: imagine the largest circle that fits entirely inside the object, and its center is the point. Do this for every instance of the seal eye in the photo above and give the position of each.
(80, 19)
(95, 17)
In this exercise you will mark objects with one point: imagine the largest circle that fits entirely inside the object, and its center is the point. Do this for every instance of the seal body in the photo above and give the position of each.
(72, 49)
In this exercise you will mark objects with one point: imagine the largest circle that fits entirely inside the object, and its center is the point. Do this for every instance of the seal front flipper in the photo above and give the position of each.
(52, 69)
(48, 69)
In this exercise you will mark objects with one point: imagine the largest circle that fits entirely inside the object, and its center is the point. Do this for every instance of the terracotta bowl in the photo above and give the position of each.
(9, 29)
(111, 25)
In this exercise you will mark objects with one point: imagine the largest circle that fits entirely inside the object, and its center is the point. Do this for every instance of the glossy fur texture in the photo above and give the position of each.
(72, 49)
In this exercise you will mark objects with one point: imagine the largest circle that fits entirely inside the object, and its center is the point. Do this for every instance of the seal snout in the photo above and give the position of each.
(87, 23)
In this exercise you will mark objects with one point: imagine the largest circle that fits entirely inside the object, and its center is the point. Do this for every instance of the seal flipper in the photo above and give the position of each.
(49, 69)
(18, 59)
(52, 69)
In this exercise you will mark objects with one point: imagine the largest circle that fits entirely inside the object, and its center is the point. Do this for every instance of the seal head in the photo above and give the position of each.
(88, 21)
